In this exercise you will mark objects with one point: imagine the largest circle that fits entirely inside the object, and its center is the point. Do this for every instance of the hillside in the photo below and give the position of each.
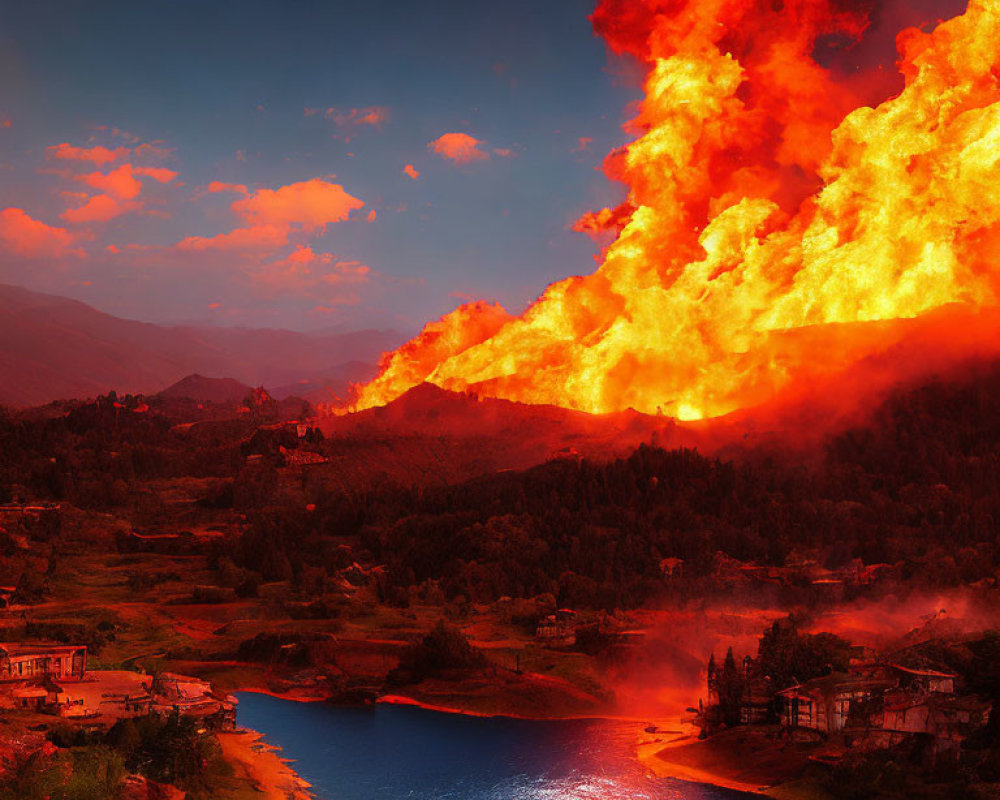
(54, 348)
(207, 390)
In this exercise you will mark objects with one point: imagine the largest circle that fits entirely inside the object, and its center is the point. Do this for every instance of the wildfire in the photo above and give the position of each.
(767, 207)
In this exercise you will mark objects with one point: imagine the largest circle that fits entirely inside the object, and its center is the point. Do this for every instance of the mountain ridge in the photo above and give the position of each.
(55, 348)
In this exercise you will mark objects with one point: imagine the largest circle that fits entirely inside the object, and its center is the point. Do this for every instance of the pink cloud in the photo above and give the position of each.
(5, 123)
(32, 238)
(218, 186)
(582, 143)
(161, 174)
(345, 272)
(153, 150)
(120, 182)
(255, 237)
(311, 204)
(320, 275)
(504, 152)
(270, 216)
(100, 208)
(372, 215)
(96, 155)
(411, 171)
(458, 147)
(119, 188)
(376, 116)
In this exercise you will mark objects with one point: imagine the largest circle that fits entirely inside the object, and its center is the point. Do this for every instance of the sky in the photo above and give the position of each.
(304, 165)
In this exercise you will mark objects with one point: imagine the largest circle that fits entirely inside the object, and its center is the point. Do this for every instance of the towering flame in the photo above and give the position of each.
(768, 205)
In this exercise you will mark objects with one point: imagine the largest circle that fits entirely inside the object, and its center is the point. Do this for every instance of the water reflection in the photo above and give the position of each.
(396, 752)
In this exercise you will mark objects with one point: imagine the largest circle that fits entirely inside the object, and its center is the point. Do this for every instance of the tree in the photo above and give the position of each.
(731, 684)
(441, 650)
(98, 774)
(788, 657)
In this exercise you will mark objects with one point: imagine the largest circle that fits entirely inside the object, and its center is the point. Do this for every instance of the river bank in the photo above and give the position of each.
(401, 750)
(258, 762)
(673, 752)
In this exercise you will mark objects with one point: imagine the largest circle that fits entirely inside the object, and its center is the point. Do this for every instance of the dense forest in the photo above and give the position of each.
(916, 488)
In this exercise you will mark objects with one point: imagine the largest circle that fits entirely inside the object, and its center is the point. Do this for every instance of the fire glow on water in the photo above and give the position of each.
(773, 217)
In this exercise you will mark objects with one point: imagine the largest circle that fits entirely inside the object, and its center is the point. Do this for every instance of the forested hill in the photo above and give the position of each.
(916, 489)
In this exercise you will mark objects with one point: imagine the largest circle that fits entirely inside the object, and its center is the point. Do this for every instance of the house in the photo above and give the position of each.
(31, 661)
(913, 680)
(672, 567)
(33, 697)
(825, 704)
(193, 698)
(878, 705)
(757, 702)
(943, 721)
(558, 629)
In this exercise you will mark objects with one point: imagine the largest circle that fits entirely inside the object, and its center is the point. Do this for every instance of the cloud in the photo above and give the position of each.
(255, 237)
(319, 275)
(5, 122)
(504, 152)
(120, 182)
(31, 238)
(119, 188)
(96, 155)
(458, 147)
(582, 143)
(376, 116)
(218, 186)
(128, 137)
(100, 155)
(153, 150)
(372, 215)
(271, 216)
(161, 174)
(101, 208)
(311, 204)
(411, 170)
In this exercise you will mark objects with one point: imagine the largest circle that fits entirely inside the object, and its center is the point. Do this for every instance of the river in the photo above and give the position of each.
(394, 752)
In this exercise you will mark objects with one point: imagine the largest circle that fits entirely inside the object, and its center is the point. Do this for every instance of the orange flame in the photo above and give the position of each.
(765, 200)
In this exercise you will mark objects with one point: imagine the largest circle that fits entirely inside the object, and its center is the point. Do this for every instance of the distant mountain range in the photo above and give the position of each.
(54, 348)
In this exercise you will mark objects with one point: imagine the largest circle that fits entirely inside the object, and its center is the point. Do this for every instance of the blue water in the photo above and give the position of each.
(394, 752)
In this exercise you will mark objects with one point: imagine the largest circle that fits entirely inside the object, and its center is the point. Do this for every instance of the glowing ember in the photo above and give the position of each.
(760, 208)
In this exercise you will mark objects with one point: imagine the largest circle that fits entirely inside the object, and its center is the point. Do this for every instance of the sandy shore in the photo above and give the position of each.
(743, 759)
(657, 757)
(260, 763)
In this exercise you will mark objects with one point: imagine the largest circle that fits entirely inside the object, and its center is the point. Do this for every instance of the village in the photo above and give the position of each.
(54, 679)
(865, 703)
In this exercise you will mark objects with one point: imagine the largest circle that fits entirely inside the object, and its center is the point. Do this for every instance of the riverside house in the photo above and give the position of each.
(30, 661)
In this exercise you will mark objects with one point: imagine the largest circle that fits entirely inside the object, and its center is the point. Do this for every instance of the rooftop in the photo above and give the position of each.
(14, 649)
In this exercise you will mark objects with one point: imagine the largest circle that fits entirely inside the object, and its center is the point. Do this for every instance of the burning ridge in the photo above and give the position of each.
(768, 205)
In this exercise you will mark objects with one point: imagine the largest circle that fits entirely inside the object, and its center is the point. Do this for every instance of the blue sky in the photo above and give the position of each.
(190, 93)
